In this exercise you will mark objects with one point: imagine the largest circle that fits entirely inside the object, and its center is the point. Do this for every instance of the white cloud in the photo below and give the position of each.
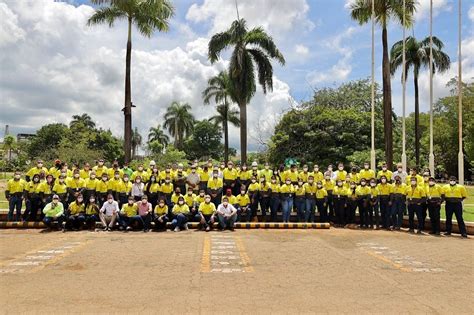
(275, 16)
(471, 13)
(423, 8)
(62, 67)
(301, 50)
(10, 32)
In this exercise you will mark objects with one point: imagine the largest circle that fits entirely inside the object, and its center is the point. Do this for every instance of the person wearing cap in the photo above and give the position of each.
(400, 172)
(75, 214)
(416, 196)
(193, 179)
(226, 214)
(363, 197)
(75, 186)
(32, 198)
(54, 211)
(385, 192)
(434, 199)
(60, 188)
(454, 194)
(180, 214)
(15, 193)
(160, 215)
(36, 170)
(329, 185)
(385, 172)
(215, 187)
(92, 212)
(166, 190)
(145, 211)
(206, 213)
(55, 170)
(398, 201)
(100, 168)
(152, 168)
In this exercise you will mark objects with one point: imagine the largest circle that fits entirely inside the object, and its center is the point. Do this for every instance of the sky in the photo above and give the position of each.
(52, 65)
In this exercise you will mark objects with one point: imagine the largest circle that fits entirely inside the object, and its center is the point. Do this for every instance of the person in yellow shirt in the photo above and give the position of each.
(304, 174)
(141, 172)
(300, 200)
(351, 203)
(204, 175)
(253, 192)
(175, 196)
(32, 199)
(60, 188)
(328, 185)
(14, 193)
(354, 174)
(363, 199)
(102, 189)
(75, 214)
(100, 168)
(340, 199)
(92, 213)
(75, 186)
(229, 176)
(207, 211)
(55, 170)
(114, 183)
(90, 185)
(85, 171)
(413, 173)
(317, 174)
(321, 203)
(340, 174)
(385, 193)
(292, 174)
(180, 215)
(128, 215)
(310, 196)
(424, 206)
(416, 196)
(242, 204)
(434, 198)
(287, 192)
(152, 190)
(274, 198)
(244, 176)
(385, 172)
(167, 189)
(454, 195)
(366, 173)
(36, 170)
(373, 208)
(190, 200)
(398, 199)
(215, 187)
(115, 168)
(264, 197)
(160, 215)
(266, 172)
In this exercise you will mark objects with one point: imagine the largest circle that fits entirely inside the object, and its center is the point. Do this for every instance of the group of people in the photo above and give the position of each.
(208, 193)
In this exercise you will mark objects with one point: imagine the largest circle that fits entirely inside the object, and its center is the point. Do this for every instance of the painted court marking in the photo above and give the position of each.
(37, 260)
(224, 254)
(396, 259)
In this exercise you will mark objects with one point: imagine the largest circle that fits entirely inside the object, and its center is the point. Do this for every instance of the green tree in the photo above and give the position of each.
(220, 89)
(147, 16)
(417, 56)
(252, 50)
(385, 10)
(8, 145)
(179, 122)
(136, 141)
(204, 142)
(156, 134)
(83, 120)
(47, 140)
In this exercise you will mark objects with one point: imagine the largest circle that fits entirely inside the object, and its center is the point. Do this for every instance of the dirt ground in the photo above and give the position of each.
(248, 271)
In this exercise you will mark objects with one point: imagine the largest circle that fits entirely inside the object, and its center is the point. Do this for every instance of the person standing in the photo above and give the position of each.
(264, 197)
(416, 196)
(434, 199)
(454, 195)
(14, 193)
(385, 172)
(193, 179)
(398, 199)
(274, 198)
(385, 192)
(401, 173)
(351, 203)
(340, 199)
(300, 200)
(215, 187)
(363, 196)
(287, 191)
(373, 208)
(33, 199)
(328, 185)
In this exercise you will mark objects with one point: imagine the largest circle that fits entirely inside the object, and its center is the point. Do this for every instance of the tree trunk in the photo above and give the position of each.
(128, 97)
(225, 125)
(387, 101)
(243, 132)
(417, 123)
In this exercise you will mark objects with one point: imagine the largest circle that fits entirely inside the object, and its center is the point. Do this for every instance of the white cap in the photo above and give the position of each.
(152, 163)
(180, 165)
(254, 163)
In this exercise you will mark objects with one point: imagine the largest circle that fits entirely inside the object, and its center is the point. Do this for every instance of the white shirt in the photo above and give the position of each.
(226, 210)
(137, 189)
(402, 174)
(110, 208)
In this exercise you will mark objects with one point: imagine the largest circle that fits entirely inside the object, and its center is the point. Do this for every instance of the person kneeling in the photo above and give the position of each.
(227, 214)
(129, 214)
(54, 211)
(180, 215)
(206, 213)
(160, 215)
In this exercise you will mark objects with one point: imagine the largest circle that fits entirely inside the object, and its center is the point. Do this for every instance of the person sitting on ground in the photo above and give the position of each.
(180, 215)
(227, 214)
(108, 213)
(75, 214)
(160, 215)
(206, 212)
(129, 214)
(54, 211)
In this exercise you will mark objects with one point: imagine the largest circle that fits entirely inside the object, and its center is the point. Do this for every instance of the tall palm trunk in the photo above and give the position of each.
(387, 101)
(417, 123)
(225, 126)
(128, 96)
(243, 132)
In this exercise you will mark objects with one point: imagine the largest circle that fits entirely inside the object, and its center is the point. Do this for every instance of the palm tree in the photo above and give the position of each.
(179, 122)
(157, 134)
(220, 88)
(83, 119)
(361, 11)
(225, 115)
(252, 50)
(136, 141)
(8, 144)
(147, 16)
(417, 56)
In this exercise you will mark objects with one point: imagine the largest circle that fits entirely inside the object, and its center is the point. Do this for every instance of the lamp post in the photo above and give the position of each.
(404, 153)
(372, 147)
(431, 157)
(460, 154)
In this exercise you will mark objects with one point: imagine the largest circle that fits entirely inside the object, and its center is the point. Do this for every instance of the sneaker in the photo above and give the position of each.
(208, 229)
(129, 228)
(411, 231)
(176, 229)
(232, 229)
(186, 227)
(447, 233)
(464, 235)
(419, 232)
(146, 231)
(105, 229)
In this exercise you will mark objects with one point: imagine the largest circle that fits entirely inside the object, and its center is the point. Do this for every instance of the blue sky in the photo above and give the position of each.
(51, 58)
